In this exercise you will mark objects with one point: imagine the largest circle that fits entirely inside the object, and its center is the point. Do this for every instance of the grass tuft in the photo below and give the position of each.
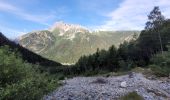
(131, 96)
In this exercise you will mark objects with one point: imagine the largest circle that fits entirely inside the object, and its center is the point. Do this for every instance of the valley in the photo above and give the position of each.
(66, 43)
(68, 61)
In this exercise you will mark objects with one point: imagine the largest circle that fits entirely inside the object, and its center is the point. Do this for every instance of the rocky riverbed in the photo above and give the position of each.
(111, 88)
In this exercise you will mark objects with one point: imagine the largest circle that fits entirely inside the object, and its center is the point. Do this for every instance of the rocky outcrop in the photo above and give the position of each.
(37, 41)
(64, 27)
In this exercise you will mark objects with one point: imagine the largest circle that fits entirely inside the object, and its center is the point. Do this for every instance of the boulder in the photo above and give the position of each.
(123, 84)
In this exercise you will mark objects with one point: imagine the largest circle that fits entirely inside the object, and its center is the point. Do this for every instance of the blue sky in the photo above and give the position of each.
(18, 17)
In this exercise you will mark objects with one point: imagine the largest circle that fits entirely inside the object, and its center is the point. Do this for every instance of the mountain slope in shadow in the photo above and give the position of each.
(27, 55)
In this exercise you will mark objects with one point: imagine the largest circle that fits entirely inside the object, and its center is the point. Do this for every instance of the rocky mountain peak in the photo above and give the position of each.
(61, 26)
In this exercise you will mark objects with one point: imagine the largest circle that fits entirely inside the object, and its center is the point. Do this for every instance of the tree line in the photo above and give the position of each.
(137, 52)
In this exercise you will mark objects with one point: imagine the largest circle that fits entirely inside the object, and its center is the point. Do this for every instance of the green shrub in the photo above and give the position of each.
(20, 80)
(160, 70)
(132, 96)
(160, 64)
(28, 89)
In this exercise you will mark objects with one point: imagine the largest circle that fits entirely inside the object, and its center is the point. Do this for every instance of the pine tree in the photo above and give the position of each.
(156, 19)
(112, 58)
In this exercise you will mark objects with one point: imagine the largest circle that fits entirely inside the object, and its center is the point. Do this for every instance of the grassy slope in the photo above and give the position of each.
(69, 51)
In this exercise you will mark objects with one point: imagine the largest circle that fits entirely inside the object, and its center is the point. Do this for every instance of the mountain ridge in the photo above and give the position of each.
(66, 43)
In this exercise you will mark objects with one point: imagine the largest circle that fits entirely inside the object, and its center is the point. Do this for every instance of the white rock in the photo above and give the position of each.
(123, 84)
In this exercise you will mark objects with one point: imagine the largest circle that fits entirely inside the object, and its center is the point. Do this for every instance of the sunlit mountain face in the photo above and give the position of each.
(66, 43)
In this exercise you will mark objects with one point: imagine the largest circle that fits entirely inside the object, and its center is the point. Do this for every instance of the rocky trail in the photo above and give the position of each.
(111, 88)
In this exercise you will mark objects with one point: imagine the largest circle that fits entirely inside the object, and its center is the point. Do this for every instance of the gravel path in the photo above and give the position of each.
(102, 88)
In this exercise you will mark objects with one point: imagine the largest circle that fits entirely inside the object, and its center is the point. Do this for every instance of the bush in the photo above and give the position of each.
(126, 65)
(132, 96)
(160, 64)
(160, 70)
(28, 89)
(19, 80)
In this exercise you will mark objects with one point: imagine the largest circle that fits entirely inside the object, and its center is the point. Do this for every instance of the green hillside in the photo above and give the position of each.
(68, 46)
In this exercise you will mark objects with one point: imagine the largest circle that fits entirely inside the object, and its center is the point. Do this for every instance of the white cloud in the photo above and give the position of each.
(39, 18)
(132, 14)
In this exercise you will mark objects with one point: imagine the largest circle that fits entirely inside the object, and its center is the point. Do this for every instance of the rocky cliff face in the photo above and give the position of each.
(63, 27)
(37, 41)
(69, 31)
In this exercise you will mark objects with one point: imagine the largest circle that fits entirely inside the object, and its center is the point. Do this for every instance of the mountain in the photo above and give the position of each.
(27, 55)
(66, 43)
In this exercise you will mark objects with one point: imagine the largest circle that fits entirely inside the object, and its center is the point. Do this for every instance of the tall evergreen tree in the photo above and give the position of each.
(150, 39)
(112, 58)
(156, 19)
